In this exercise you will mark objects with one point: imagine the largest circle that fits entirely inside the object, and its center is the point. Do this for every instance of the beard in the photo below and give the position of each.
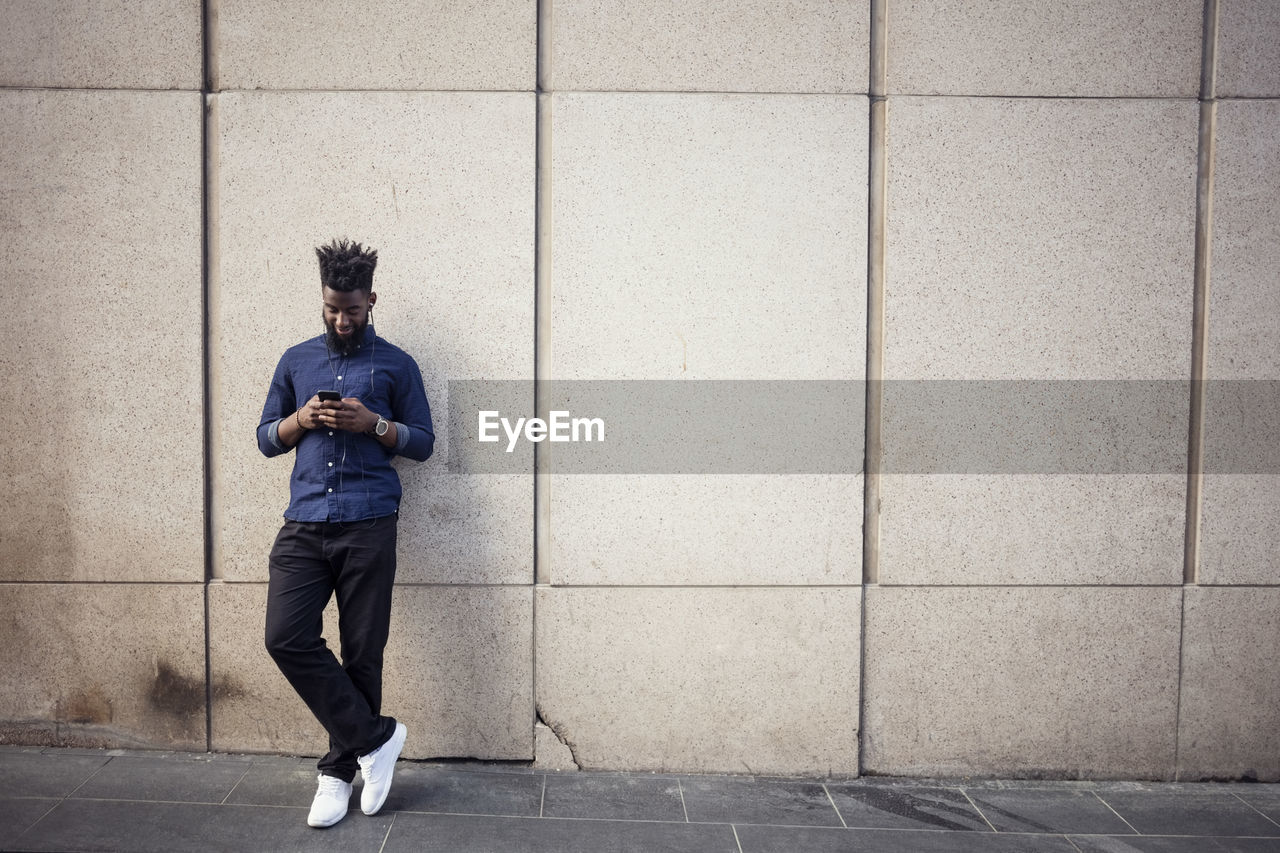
(340, 345)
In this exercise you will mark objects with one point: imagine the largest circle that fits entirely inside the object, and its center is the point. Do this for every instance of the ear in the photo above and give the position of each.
(373, 297)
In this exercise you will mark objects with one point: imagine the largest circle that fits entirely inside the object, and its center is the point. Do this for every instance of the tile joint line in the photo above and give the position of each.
(980, 812)
(207, 73)
(831, 800)
(877, 110)
(1205, 153)
(1116, 813)
(390, 825)
(1206, 131)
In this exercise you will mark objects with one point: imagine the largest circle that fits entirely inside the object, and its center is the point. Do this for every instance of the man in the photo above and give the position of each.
(339, 535)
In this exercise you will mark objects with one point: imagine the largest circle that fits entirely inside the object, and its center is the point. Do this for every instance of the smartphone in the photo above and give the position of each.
(329, 396)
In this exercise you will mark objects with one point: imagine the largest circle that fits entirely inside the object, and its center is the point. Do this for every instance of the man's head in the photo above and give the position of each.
(346, 286)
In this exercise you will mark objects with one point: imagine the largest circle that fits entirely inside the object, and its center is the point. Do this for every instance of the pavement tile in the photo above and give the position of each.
(92, 825)
(95, 800)
(32, 774)
(1169, 844)
(789, 839)
(901, 807)
(737, 800)
(422, 833)
(278, 829)
(175, 779)
(607, 796)
(18, 814)
(433, 789)
(277, 784)
(1038, 810)
(1265, 801)
(1189, 812)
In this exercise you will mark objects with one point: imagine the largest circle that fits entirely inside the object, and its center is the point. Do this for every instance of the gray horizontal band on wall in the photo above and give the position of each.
(816, 427)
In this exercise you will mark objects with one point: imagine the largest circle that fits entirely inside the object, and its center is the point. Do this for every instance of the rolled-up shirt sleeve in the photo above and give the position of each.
(415, 439)
(402, 437)
(273, 435)
(279, 405)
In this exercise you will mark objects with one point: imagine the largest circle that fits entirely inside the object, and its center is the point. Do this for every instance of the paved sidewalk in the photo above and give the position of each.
(69, 799)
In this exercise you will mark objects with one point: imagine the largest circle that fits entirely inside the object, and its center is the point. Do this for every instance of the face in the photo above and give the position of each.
(346, 316)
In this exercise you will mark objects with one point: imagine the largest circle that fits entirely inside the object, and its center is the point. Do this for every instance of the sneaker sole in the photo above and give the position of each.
(397, 742)
(322, 825)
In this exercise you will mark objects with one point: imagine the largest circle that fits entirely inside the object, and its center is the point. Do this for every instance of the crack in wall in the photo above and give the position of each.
(561, 735)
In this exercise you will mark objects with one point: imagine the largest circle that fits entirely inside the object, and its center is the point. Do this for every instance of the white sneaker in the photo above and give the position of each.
(377, 768)
(330, 804)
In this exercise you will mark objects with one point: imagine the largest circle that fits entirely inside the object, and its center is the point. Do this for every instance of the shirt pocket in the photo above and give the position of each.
(376, 397)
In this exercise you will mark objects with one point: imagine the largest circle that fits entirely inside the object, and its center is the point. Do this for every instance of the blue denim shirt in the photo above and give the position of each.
(340, 475)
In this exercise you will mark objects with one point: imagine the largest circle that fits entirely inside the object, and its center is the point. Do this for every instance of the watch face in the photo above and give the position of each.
(382, 427)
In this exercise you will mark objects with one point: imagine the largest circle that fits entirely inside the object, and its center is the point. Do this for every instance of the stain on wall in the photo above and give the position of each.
(174, 693)
(91, 706)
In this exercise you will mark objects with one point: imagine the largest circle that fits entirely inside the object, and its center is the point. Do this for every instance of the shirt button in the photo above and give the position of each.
(331, 490)
(330, 432)
(339, 378)
(330, 464)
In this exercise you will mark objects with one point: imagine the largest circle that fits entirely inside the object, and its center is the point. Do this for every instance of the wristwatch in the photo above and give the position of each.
(380, 429)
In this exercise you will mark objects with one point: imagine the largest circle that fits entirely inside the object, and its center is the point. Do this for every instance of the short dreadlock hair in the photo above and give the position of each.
(346, 266)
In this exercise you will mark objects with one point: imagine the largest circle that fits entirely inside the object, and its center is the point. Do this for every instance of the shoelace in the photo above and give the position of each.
(331, 786)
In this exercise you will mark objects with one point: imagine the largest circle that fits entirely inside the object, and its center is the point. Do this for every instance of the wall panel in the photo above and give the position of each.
(458, 673)
(1230, 710)
(442, 185)
(388, 44)
(1037, 240)
(1043, 682)
(1239, 536)
(713, 45)
(102, 406)
(1080, 48)
(1248, 49)
(709, 237)
(101, 44)
(758, 681)
(103, 665)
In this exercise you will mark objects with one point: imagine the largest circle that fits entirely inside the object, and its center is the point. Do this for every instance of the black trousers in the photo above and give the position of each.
(310, 562)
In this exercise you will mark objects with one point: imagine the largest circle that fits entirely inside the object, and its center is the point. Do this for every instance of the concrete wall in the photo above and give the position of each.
(725, 190)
